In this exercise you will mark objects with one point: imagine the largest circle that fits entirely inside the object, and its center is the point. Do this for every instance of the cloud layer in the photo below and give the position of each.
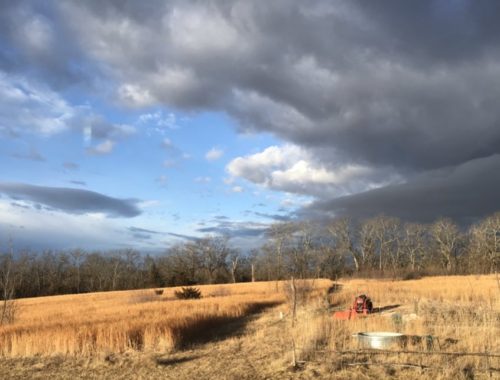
(463, 193)
(393, 96)
(72, 201)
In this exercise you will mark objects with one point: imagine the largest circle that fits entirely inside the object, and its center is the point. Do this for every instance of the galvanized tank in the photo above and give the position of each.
(379, 339)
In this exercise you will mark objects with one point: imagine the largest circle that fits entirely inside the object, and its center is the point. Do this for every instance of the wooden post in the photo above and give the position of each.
(294, 300)
(294, 356)
(253, 273)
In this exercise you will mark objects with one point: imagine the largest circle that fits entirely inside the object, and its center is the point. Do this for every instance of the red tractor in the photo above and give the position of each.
(361, 306)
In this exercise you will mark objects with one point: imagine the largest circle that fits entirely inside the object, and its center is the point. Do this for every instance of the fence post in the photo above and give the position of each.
(294, 300)
(294, 356)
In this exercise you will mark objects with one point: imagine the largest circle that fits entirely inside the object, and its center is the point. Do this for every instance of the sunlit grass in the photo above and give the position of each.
(93, 323)
(457, 313)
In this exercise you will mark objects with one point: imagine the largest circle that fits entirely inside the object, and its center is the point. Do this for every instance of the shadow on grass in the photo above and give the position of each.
(220, 328)
(175, 360)
(384, 308)
(335, 288)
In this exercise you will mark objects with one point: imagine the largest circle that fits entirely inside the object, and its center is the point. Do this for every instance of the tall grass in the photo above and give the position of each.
(93, 323)
(460, 313)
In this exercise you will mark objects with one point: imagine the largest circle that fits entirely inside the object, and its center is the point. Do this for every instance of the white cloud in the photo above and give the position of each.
(135, 95)
(26, 107)
(237, 189)
(158, 119)
(103, 148)
(292, 169)
(214, 154)
(35, 228)
(294, 201)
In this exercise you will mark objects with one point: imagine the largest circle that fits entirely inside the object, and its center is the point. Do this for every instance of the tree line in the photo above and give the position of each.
(379, 246)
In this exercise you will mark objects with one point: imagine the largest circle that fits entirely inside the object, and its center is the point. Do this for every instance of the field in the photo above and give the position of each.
(246, 331)
(439, 314)
(91, 324)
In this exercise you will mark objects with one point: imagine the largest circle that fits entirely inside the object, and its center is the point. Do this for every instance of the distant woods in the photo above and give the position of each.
(380, 246)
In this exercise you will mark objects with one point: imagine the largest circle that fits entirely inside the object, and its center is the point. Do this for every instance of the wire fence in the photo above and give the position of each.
(488, 368)
(399, 352)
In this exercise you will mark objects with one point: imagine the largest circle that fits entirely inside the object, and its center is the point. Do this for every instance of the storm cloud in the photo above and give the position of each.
(464, 193)
(405, 93)
(72, 201)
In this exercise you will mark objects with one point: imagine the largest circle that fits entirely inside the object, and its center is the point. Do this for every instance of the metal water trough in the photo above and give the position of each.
(379, 339)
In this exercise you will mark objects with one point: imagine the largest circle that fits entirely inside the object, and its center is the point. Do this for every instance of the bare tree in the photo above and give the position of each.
(413, 244)
(97, 271)
(77, 257)
(214, 251)
(194, 261)
(7, 288)
(446, 237)
(234, 259)
(116, 271)
(386, 232)
(302, 248)
(253, 258)
(342, 236)
(485, 244)
(280, 235)
(368, 243)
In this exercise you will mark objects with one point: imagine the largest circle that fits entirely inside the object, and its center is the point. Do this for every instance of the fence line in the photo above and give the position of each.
(420, 365)
(413, 365)
(388, 352)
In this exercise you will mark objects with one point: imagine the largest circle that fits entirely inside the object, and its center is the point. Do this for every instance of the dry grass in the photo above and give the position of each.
(462, 314)
(95, 323)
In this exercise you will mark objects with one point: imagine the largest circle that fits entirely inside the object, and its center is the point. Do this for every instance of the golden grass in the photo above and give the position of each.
(94, 323)
(461, 313)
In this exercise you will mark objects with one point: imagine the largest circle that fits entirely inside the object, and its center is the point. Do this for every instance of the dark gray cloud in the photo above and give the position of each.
(277, 217)
(139, 236)
(36, 32)
(73, 201)
(464, 193)
(235, 229)
(143, 230)
(408, 91)
(322, 75)
(221, 217)
(142, 233)
(183, 236)
(147, 234)
(20, 205)
(101, 129)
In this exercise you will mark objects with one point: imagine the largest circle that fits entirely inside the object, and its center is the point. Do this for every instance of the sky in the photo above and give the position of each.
(127, 124)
